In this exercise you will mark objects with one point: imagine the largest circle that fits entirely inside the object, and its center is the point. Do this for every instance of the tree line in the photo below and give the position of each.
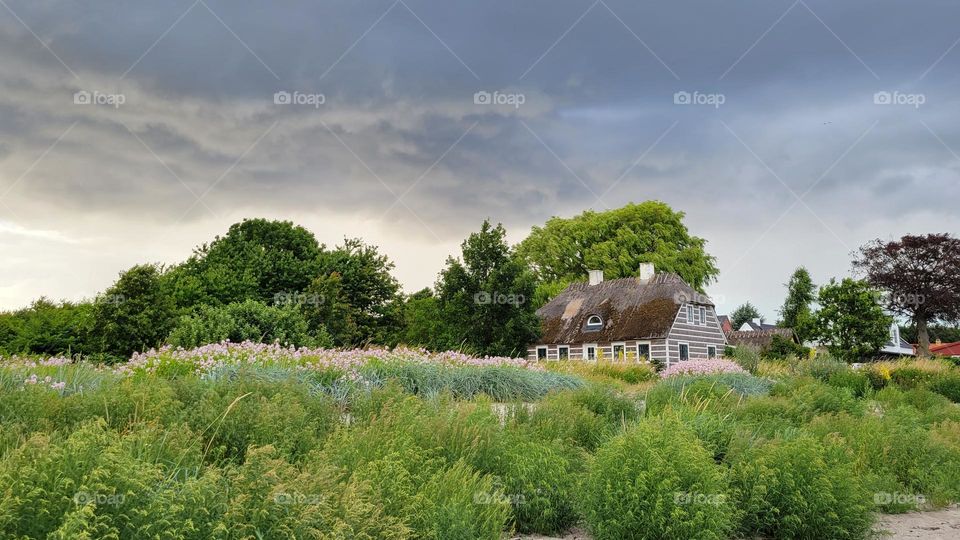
(273, 281)
(915, 278)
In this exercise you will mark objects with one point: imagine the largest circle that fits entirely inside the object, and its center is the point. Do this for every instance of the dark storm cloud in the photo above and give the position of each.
(598, 127)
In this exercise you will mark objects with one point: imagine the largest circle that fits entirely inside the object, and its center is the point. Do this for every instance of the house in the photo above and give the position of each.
(655, 316)
(946, 349)
(756, 325)
(725, 323)
(896, 345)
(761, 339)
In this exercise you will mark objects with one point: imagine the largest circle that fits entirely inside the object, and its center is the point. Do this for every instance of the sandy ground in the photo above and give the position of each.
(938, 525)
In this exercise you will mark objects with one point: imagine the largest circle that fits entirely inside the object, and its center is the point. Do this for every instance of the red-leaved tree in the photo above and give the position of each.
(921, 276)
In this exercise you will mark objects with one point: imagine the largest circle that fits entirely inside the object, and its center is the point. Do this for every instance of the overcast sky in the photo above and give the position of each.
(759, 119)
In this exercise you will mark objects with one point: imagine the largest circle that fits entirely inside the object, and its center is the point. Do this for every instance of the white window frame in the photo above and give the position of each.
(586, 355)
(690, 314)
(714, 347)
(703, 316)
(546, 352)
(598, 324)
(679, 354)
(649, 349)
(613, 350)
(561, 348)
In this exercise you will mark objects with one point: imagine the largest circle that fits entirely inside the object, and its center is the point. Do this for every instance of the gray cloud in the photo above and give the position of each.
(798, 120)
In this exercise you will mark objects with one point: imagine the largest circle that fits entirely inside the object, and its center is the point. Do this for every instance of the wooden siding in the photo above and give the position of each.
(698, 335)
(658, 349)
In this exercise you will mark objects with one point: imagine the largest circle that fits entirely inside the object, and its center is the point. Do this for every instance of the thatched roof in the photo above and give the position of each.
(630, 309)
(758, 338)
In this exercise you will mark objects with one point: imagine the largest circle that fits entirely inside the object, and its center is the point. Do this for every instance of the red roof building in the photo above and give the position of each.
(946, 349)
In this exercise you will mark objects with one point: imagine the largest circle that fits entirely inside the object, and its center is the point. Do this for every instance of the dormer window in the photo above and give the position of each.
(594, 322)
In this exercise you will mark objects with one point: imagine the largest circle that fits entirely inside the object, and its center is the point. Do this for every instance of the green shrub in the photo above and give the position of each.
(242, 321)
(557, 418)
(947, 384)
(856, 381)
(460, 504)
(898, 457)
(628, 373)
(748, 357)
(539, 481)
(656, 481)
(809, 398)
(821, 367)
(909, 377)
(800, 488)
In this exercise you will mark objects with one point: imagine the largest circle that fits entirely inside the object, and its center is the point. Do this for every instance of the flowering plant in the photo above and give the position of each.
(702, 367)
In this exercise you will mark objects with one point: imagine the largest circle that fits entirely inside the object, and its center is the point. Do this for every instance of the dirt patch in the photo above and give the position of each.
(573, 534)
(936, 525)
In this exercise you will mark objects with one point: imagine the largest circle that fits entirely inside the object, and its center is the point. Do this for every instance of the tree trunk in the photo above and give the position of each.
(923, 338)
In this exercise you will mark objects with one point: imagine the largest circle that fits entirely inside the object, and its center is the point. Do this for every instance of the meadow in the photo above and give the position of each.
(260, 441)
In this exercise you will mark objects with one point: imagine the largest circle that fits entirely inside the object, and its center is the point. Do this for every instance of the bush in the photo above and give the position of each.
(746, 356)
(822, 367)
(947, 384)
(242, 321)
(539, 481)
(855, 381)
(628, 373)
(898, 457)
(800, 488)
(781, 348)
(656, 481)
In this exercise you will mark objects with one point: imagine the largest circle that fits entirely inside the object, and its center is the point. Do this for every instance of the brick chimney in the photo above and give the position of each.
(647, 271)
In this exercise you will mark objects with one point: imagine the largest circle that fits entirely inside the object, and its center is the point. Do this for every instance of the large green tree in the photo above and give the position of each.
(920, 276)
(485, 297)
(795, 312)
(257, 259)
(362, 298)
(135, 313)
(617, 241)
(851, 322)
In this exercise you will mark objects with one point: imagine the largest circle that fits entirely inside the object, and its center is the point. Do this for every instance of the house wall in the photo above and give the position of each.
(697, 334)
(658, 349)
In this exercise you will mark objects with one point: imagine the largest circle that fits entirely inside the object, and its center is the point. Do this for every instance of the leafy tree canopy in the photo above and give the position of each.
(796, 312)
(486, 297)
(134, 314)
(617, 241)
(920, 276)
(362, 296)
(256, 259)
(851, 322)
